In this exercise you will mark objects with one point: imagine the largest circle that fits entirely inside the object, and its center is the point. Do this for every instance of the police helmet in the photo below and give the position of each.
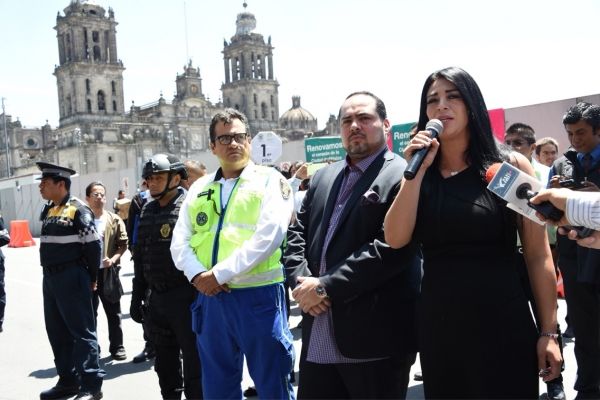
(164, 162)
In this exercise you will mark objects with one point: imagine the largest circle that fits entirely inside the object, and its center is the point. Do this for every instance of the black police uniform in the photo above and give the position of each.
(137, 202)
(70, 256)
(580, 270)
(168, 318)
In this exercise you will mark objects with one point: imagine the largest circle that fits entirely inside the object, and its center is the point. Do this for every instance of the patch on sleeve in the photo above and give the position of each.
(285, 188)
(87, 219)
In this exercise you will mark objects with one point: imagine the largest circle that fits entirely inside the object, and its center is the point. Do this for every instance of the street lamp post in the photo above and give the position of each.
(6, 136)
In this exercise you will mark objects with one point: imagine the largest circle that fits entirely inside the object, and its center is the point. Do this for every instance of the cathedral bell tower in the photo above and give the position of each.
(90, 76)
(189, 84)
(250, 85)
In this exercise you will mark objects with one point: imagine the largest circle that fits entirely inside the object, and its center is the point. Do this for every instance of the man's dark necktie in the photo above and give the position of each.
(587, 163)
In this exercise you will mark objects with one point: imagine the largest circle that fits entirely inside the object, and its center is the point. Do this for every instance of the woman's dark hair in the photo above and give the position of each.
(483, 149)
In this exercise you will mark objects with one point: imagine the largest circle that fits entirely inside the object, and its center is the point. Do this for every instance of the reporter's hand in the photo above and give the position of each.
(302, 172)
(592, 241)
(554, 181)
(558, 198)
(589, 187)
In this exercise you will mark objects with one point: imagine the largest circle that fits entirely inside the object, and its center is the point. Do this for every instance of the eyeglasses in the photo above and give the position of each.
(98, 195)
(516, 143)
(238, 137)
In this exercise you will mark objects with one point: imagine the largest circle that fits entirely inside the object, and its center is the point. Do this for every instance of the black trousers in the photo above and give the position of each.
(2, 290)
(113, 315)
(583, 306)
(382, 379)
(169, 325)
(521, 267)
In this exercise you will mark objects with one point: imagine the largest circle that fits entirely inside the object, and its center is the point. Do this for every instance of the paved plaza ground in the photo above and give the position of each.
(26, 361)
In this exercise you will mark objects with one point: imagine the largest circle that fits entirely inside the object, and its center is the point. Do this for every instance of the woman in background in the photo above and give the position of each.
(477, 338)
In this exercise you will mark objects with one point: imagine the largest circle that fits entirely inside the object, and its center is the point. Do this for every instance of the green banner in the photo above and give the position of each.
(324, 148)
(401, 136)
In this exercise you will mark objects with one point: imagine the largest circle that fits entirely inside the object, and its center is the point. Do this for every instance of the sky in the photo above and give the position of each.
(519, 52)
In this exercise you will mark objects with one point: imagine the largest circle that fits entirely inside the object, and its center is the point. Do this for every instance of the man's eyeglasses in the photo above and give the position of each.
(238, 137)
(98, 195)
(516, 143)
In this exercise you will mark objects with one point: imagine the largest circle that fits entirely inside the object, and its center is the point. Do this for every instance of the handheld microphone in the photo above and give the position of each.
(435, 127)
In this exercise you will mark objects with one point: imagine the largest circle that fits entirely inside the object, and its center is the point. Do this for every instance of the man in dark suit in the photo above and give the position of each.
(358, 295)
(579, 265)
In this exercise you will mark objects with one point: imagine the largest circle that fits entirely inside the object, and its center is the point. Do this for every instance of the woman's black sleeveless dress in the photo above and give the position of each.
(477, 337)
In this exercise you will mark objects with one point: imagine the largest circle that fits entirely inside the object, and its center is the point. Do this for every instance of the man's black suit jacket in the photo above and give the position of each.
(373, 288)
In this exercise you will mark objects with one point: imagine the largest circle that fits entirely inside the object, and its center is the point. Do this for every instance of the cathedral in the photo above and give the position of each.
(96, 132)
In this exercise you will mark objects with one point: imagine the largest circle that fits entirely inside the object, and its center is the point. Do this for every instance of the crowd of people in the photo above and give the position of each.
(382, 267)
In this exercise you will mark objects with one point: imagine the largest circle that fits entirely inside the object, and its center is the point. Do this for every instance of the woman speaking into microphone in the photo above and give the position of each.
(477, 337)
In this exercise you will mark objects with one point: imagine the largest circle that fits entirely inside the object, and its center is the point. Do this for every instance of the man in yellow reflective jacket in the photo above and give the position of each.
(227, 242)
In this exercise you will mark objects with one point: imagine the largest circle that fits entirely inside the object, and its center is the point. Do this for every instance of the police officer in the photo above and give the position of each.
(227, 242)
(70, 256)
(137, 202)
(168, 294)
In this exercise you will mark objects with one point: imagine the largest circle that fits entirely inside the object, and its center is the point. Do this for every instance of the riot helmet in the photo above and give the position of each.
(161, 163)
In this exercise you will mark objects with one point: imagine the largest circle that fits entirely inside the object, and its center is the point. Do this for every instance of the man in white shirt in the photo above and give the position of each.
(227, 242)
(113, 234)
(521, 138)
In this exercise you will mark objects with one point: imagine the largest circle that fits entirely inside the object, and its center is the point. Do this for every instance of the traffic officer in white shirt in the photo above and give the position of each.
(227, 242)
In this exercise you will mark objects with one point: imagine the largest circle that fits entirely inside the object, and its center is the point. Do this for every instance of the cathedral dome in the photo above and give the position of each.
(84, 2)
(246, 22)
(298, 119)
(297, 113)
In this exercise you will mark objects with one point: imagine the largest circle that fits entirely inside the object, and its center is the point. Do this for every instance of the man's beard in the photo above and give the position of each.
(362, 148)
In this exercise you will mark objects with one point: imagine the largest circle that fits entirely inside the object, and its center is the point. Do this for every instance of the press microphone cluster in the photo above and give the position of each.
(435, 127)
(524, 192)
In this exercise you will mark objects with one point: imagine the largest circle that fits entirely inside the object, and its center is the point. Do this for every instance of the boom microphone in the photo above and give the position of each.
(435, 127)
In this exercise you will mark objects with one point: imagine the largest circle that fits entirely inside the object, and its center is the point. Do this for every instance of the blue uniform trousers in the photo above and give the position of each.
(71, 328)
(252, 322)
